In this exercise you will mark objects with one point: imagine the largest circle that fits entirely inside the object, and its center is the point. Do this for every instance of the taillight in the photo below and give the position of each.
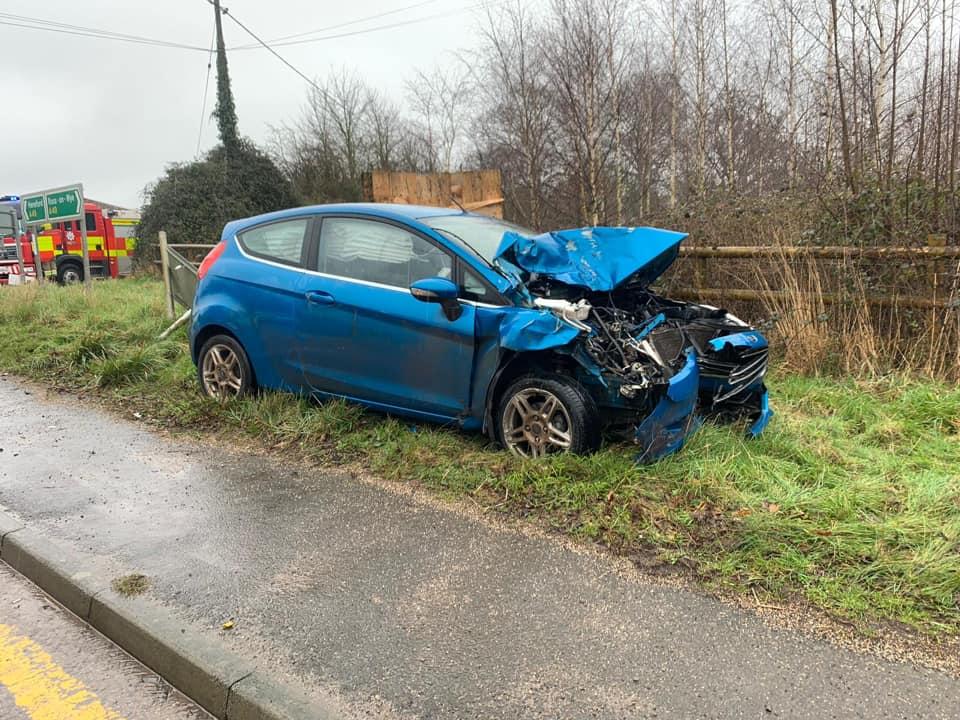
(211, 258)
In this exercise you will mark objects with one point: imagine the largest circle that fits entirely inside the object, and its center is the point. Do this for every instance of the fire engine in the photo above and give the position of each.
(11, 230)
(111, 241)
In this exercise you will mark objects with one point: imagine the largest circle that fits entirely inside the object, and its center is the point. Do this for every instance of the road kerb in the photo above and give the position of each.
(201, 669)
(257, 697)
(8, 525)
(63, 575)
(198, 665)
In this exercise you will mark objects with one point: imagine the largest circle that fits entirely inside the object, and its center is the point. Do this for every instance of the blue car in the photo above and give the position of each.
(542, 340)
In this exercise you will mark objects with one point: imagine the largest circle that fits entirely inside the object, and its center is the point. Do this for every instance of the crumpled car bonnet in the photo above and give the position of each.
(598, 259)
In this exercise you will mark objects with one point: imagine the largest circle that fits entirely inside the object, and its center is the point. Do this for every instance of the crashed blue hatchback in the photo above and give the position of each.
(547, 342)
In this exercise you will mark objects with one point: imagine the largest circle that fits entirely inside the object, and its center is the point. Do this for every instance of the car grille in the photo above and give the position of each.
(8, 251)
(736, 376)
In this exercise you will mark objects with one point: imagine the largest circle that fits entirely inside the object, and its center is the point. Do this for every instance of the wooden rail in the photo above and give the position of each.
(926, 254)
(903, 301)
(763, 251)
(826, 251)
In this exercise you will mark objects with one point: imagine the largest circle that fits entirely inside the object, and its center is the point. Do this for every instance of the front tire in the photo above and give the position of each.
(223, 369)
(69, 273)
(545, 415)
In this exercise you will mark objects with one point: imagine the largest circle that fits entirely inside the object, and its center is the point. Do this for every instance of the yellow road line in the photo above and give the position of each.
(43, 689)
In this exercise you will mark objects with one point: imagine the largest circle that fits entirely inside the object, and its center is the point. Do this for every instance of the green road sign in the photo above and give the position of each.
(63, 204)
(56, 204)
(34, 209)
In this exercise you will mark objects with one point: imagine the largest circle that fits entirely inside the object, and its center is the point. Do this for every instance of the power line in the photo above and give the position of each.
(402, 23)
(31, 23)
(57, 24)
(313, 84)
(206, 88)
(272, 51)
(366, 18)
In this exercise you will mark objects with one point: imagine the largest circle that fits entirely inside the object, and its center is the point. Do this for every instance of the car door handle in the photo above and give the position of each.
(319, 297)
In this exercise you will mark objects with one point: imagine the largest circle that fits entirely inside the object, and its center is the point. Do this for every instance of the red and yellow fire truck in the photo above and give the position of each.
(110, 246)
(11, 231)
(111, 241)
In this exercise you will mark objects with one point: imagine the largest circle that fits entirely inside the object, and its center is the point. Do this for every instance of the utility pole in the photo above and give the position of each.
(226, 111)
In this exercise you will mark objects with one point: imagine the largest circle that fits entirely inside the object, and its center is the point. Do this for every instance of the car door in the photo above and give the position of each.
(363, 335)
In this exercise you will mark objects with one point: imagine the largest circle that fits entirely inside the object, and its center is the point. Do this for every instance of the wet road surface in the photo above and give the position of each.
(53, 667)
(398, 609)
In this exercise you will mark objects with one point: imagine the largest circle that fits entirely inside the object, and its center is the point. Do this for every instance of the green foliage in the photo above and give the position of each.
(226, 111)
(876, 216)
(850, 500)
(194, 200)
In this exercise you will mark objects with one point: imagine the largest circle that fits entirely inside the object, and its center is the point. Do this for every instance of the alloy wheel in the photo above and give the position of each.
(222, 373)
(536, 423)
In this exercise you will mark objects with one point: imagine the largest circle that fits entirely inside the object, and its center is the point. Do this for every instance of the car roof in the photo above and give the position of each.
(394, 211)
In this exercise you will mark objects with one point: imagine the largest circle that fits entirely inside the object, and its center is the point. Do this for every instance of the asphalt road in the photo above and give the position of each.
(54, 666)
(399, 609)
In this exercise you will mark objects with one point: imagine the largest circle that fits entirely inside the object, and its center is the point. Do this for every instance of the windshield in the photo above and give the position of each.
(482, 234)
(8, 223)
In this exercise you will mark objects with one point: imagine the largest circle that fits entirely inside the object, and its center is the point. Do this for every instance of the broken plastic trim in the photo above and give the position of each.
(763, 420)
(665, 430)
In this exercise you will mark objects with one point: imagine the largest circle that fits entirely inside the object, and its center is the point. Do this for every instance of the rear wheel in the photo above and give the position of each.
(547, 414)
(224, 369)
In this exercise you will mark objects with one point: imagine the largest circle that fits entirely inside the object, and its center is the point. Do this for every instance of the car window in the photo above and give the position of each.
(91, 221)
(125, 231)
(379, 252)
(473, 288)
(280, 241)
(481, 234)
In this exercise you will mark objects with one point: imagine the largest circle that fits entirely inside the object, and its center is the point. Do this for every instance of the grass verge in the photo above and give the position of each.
(850, 501)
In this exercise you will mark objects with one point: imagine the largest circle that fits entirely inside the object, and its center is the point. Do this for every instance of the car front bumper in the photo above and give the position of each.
(674, 419)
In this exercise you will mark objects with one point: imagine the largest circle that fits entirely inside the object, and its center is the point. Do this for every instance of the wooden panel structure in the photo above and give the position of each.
(479, 191)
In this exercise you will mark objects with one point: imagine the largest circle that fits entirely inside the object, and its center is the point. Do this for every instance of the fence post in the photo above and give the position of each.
(165, 265)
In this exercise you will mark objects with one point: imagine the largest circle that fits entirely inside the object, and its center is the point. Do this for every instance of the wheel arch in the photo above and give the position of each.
(67, 260)
(514, 364)
(205, 334)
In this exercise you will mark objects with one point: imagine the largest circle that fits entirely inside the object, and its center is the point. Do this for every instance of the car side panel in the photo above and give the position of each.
(258, 303)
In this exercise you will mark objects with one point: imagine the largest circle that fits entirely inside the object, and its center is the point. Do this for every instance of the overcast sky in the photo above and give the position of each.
(113, 114)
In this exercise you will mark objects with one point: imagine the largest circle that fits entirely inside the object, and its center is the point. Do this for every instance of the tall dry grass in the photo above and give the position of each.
(824, 317)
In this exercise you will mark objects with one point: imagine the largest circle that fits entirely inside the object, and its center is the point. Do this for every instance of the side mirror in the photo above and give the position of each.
(434, 290)
(439, 290)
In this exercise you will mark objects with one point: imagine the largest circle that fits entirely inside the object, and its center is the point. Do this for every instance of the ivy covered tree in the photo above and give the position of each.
(226, 111)
(193, 201)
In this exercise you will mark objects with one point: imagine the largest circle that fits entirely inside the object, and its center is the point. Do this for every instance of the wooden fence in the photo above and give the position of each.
(934, 287)
(941, 292)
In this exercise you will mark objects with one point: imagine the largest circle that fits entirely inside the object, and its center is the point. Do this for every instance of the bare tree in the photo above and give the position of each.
(437, 99)
(509, 74)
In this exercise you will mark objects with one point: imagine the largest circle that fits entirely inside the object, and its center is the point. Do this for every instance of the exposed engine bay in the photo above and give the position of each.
(642, 339)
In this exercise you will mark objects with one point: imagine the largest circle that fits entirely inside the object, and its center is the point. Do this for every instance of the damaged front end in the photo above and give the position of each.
(655, 366)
